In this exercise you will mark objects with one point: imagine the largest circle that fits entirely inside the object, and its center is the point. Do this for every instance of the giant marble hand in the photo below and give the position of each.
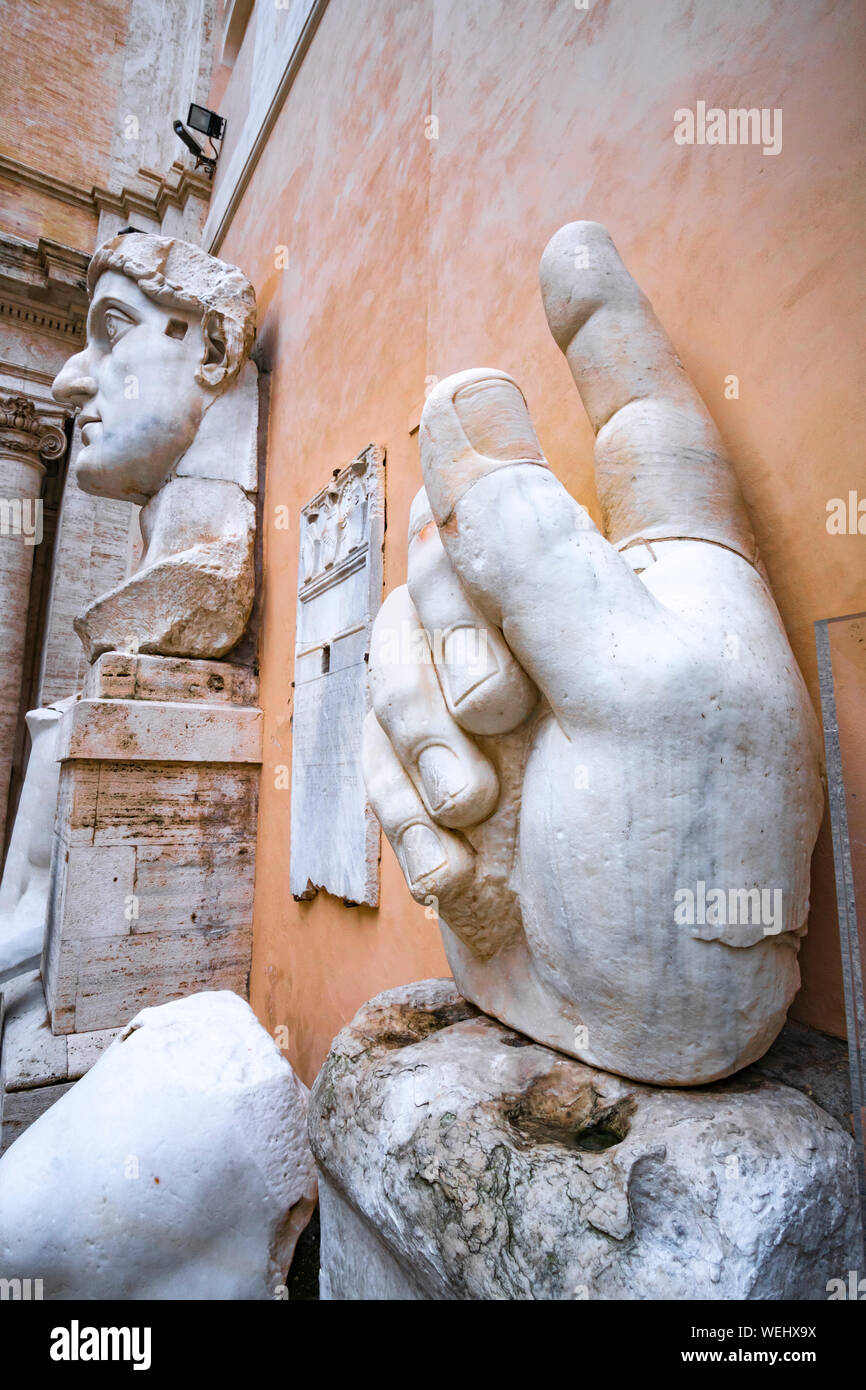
(595, 755)
(168, 412)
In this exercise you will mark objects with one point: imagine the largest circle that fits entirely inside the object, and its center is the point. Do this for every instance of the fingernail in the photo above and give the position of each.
(469, 660)
(496, 421)
(442, 774)
(422, 853)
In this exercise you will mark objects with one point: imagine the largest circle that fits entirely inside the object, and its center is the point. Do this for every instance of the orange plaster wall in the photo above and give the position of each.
(410, 258)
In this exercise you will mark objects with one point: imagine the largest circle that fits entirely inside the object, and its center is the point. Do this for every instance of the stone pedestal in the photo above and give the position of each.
(152, 869)
(154, 846)
(460, 1160)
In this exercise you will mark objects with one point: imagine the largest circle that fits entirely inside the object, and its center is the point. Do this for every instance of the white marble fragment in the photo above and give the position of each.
(335, 838)
(168, 412)
(24, 889)
(178, 1167)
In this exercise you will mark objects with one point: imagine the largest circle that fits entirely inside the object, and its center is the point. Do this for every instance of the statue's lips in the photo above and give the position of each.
(86, 425)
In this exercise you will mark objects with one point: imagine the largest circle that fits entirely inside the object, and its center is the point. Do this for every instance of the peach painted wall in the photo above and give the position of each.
(411, 258)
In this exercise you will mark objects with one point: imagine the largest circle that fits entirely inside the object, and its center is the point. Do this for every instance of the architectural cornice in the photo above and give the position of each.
(58, 322)
(43, 264)
(157, 193)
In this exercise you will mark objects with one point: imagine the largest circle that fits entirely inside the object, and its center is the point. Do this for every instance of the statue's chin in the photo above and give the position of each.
(88, 473)
(94, 476)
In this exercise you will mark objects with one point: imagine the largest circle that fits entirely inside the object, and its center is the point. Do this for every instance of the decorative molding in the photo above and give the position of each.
(39, 379)
(232, 179)
(43, 290)
(174, 190)
(43, 265)
(160, 192)
(44, 318)
(336, 524)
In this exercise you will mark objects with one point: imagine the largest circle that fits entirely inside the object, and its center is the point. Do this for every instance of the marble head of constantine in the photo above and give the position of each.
(169, 330)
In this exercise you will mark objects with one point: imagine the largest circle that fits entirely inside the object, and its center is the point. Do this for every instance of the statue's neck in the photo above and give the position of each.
(224, 451)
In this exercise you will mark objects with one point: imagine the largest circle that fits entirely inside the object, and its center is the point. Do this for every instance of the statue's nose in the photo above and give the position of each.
(73, 384)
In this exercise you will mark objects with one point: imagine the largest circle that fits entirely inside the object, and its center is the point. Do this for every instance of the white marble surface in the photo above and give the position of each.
(614, 819)
(24, 888)
(168, 415)
(177, 1168)
(335, 840)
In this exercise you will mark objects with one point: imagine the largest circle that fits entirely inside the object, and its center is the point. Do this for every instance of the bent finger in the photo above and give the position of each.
(456, 782)
(435, 862)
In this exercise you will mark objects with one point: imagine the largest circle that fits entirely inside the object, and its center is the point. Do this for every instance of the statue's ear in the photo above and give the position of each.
(214, 364)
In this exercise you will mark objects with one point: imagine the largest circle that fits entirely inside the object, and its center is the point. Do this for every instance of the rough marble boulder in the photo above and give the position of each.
(177, 1168)
(460, 1160)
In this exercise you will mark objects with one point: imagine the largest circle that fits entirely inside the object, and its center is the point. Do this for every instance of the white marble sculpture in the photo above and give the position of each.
(177, 1168)
(168, 412)
(24, 889)
(613, 806)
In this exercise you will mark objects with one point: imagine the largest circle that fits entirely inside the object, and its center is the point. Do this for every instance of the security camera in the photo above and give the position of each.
(183, 134)
(202, 160)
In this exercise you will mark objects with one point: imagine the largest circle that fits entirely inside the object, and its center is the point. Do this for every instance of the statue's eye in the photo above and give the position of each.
(116, 325)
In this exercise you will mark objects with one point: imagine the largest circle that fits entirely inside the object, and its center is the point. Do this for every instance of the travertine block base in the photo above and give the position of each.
(37, 1067)
(154, 852)
(460, 1160)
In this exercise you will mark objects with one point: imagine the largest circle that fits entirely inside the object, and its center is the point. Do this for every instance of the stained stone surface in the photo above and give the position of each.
(154, 848)
(25, 883)
(461, 1160)
(177, 1168)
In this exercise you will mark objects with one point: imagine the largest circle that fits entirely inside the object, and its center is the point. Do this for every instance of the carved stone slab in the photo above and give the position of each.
(335, 836)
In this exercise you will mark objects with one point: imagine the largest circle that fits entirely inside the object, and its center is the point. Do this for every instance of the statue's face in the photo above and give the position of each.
(141, 405)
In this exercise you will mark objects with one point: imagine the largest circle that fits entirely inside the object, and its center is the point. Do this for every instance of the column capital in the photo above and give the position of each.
(24, 431)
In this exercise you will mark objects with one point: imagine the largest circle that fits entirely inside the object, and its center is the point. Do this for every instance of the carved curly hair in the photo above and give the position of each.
(180, 275)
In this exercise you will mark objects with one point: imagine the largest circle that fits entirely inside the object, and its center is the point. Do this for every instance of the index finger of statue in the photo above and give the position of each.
(661, 468)
(485, 689)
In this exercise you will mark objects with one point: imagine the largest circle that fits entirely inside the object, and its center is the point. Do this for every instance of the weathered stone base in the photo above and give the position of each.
(37, 1067)
(460, 1160)
(154, 848)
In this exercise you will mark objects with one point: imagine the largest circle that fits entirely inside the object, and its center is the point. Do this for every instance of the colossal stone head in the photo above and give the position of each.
(168, 332)
(168, 411)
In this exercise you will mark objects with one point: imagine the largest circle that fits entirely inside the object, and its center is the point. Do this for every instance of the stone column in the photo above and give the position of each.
(25, 441)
